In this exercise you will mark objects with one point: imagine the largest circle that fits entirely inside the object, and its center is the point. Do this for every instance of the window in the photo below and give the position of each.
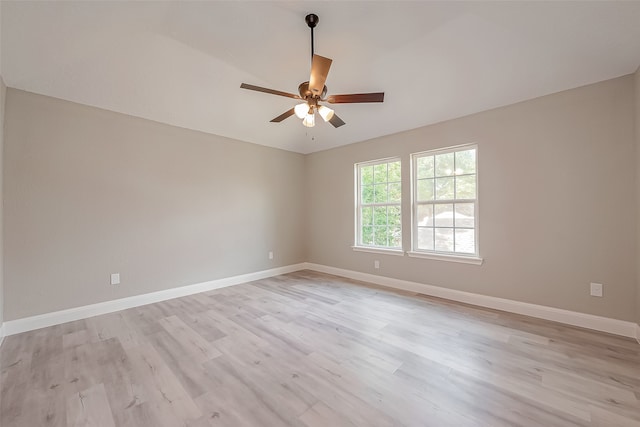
(378, 213)
(445, 202)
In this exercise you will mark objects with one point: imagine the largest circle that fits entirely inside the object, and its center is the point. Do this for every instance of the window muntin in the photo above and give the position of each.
(379, 197)
(445, 201)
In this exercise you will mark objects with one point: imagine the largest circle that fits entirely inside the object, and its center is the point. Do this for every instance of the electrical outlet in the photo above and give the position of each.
(270, 254)
(115, 279)
(596, 289)
(376, 264)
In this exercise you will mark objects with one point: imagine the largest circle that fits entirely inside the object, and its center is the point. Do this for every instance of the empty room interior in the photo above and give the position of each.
(317, 214)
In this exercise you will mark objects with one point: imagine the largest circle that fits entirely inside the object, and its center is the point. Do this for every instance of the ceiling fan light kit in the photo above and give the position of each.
(310, 120)
(301, 110)
(325, 112)
(314, 91)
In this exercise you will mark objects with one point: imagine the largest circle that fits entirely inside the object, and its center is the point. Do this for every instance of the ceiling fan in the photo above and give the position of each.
(314, 91)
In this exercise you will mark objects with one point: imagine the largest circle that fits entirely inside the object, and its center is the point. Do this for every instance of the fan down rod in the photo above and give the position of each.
(311, 20)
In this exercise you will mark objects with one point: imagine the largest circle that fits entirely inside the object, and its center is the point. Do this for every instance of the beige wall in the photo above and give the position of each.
(555, 178)
(637, 128)
(89, 192)
(3, 93)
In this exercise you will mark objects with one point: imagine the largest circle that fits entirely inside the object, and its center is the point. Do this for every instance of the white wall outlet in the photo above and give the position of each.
(376, 264)
(270, 254)
(115, 279)
(596, 289)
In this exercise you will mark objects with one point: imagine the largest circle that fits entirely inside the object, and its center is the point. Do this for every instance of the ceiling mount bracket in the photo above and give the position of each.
(311, 20)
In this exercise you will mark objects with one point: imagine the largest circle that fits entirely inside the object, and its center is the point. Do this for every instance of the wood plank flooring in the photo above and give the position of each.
(308, 349)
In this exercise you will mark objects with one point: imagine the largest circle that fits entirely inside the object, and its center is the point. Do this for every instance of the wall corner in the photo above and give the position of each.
(637, 170)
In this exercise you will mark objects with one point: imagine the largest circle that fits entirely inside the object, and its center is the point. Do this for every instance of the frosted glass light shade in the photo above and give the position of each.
(325, 112)
(301, 110)
(310, 120)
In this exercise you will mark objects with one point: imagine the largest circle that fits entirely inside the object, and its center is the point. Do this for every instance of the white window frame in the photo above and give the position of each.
(358, 245)
(471, 258)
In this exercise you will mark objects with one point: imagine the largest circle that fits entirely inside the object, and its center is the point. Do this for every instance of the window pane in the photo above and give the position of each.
(380, 186)
(395, 192)
(466, 187)
(394, 216)
(425, 167)
(444, 164)
(367, 235)
(444, 188)
(380, 173)
(380, 215)
(395, 237)
(366, 175)
(465, 241)
(444, 239)
(380, 193)
(466, 162)
(444, 205)
(367, 194)
(366, 216)
(425, 215)
(380, 236)
(443, 215)
(425, 190)
(465, 216)
(394, 172)
(425, 238)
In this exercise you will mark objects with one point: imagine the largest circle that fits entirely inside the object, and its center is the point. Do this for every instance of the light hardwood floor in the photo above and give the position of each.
(308, 349)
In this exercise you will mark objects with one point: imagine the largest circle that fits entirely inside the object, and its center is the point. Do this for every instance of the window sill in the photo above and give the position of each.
(397, 252)
(451, 258)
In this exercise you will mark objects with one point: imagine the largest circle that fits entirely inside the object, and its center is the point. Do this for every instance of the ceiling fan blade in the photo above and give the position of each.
(356, 98)
(283, 116)
(271, 91)
(336, 121)
(319, 71)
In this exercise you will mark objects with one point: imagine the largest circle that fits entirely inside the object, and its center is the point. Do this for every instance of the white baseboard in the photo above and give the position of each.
(589, 321)
(57, 317)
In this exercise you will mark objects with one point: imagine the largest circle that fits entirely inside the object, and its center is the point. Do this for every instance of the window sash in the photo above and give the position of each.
(433, 227)
(360, 206)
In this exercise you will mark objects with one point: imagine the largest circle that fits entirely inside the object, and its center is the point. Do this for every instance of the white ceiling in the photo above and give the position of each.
(182, 62)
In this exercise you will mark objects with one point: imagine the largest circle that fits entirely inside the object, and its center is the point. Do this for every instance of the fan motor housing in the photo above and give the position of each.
(305, 92)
